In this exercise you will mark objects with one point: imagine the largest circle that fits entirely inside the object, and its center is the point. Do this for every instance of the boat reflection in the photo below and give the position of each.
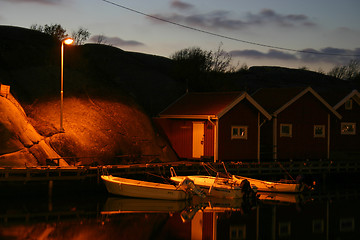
(281, 198)
(326, 215)
(118, 205)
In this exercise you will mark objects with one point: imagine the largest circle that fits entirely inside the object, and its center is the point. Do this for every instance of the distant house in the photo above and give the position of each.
(300, 124)
(345, 133)
(222, 126)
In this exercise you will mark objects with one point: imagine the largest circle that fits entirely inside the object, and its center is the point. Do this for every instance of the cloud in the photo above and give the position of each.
(326, 55)
(339, 56)
(271, 54)
(213, 20)
(227, 20)
(181, 5)
(266, 16)
(114, 41)
(50, 2)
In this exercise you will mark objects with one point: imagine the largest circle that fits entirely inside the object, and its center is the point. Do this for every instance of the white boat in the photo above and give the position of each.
(144, 189)
(284, 198)
(214, 186)
(269, 186)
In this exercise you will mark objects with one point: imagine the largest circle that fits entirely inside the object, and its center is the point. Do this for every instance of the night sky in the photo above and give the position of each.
(285, 27)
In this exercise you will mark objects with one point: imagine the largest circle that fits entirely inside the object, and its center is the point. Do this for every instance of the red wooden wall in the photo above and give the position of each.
(243, 114)
(303, 115)
(349, 143)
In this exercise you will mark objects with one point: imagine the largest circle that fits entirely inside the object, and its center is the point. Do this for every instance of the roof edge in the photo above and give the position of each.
(302, 93)
(347, 97)
(189, 116)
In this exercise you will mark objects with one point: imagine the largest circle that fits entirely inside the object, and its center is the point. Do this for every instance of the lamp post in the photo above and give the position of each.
(67, 41)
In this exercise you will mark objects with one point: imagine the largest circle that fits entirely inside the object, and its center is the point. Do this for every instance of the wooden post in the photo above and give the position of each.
(50, 190)
(328, 138)
(258, 139)
(275, 138)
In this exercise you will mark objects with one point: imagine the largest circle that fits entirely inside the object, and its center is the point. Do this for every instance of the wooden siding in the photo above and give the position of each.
(341, 142)
(209, 139)
(303, 115)
(208, 225)
(180, 133)
(243, 114)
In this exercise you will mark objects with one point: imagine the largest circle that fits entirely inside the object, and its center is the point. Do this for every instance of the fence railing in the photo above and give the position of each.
(291, 168)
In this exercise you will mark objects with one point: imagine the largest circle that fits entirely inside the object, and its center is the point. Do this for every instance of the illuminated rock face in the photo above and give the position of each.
(100, 131)
(97, 128)
(20, 144)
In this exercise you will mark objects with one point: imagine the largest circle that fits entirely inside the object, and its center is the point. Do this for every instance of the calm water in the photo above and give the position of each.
(325, 214)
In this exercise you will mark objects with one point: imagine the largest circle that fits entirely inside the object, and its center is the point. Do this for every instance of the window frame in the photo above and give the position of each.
(348, 133)
(284, 229)
(283, 134)
(318, 226)
(238, 127)
(349, 104)
(323, 134)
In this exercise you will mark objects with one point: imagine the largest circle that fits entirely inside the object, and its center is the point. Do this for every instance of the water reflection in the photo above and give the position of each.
(314, 215)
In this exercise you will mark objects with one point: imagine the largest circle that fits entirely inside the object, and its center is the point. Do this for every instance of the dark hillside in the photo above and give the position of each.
(270, 77)
(30, 63)
(111, 71)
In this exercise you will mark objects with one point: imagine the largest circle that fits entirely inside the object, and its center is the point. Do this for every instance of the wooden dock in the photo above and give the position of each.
(265, 170)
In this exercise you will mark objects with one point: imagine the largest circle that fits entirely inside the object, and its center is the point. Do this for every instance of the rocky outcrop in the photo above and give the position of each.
(20, 144)
(97, 131)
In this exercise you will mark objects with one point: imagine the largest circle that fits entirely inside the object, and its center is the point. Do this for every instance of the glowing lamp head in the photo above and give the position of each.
(68, 41)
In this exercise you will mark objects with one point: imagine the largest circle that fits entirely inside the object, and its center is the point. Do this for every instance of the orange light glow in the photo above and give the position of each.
(68, 41)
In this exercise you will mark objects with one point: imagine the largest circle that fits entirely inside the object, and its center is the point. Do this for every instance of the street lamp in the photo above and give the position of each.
(67, 41)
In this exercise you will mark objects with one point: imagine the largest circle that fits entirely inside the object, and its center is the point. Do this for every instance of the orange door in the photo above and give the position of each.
(198, 139)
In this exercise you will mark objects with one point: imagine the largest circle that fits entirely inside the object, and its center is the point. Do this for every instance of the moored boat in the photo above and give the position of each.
(144, 189)
(269, 186)
(216, 186)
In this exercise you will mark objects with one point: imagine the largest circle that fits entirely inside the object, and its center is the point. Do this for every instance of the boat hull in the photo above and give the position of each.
(142, 189)
(267, 186)
(212, 186)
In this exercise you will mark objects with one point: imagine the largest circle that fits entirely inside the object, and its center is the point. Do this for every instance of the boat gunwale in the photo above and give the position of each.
(216, 184)
(145, 184)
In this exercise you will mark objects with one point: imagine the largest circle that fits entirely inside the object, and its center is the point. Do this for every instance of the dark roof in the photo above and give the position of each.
(209, 103)
(271, 99)
(275, 100)
(335, 96)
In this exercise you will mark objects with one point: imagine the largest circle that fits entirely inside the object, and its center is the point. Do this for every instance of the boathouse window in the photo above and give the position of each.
(318, 226)
(285, 130)
(347, 224)
(239, 132)
(348, 128)
(284, 229)
(319, 131)
(348, 104)
(237, 231)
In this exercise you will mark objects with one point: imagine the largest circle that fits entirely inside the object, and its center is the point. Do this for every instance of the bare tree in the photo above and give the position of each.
(100, 39)
(221, 61)
(55, 30)
(347, 72)
(194, 58)
(205, 61)
(80, 36)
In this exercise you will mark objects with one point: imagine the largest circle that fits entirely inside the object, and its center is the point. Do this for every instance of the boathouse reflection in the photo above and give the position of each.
(273, 216)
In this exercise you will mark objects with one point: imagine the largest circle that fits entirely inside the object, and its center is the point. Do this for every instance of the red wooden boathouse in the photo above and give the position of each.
(300, 125)
(222, 125)
(345, 133)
